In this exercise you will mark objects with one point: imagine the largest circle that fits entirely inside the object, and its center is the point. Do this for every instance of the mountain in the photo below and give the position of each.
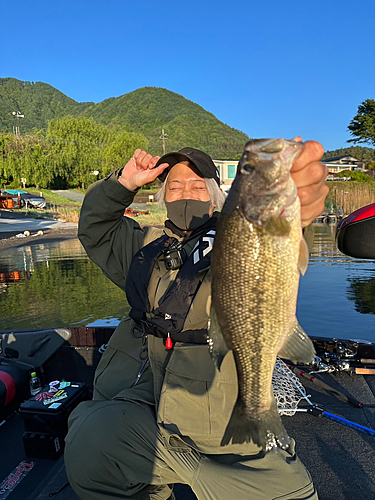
(147, 110)
(150, 109)
(38, 102)
(359, 152)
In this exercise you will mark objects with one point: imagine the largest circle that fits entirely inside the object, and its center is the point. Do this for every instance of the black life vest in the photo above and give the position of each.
(169, 317)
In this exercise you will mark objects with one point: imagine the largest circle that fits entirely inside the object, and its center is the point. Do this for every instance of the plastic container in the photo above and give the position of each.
(35, 385)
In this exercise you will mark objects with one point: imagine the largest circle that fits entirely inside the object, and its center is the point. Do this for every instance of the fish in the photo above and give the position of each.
(258, 255)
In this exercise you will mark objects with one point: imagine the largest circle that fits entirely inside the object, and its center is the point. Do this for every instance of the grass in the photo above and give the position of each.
(52, 198)
(156, 217)
(63, 209)
(350, 195)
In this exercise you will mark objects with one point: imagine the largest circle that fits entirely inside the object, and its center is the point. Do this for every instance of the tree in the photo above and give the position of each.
(76, 151)
(120, 148)
(355, 175)
(77, 148)
(362, 127)
(27, 157)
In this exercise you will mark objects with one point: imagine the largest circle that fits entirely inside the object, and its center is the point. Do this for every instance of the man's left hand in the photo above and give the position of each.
(309, 175)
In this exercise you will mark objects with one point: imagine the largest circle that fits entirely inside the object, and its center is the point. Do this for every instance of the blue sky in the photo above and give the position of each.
(272, 69)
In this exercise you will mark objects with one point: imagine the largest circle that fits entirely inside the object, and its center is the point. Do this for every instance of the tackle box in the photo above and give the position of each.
(46, 418)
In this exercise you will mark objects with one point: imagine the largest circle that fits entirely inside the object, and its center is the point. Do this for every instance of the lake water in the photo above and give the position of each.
(43, 286)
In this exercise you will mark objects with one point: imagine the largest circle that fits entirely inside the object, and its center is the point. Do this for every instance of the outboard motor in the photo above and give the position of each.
(355, 235)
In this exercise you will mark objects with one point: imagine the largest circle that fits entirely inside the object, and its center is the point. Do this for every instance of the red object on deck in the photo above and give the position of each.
(10, 386)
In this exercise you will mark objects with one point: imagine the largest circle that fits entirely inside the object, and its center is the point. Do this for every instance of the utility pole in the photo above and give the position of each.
(164, 137)
(17, 114)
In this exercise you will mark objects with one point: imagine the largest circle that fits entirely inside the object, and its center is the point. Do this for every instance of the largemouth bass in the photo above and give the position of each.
(258, 254)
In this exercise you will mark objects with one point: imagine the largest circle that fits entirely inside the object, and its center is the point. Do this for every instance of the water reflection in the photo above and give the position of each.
(56, 285)
(336, 296)
(362, 292)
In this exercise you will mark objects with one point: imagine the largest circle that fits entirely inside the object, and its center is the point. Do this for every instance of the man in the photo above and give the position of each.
(160, 406)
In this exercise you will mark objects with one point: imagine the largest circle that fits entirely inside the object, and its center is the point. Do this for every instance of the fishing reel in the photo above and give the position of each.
(336, 360)
(329, 365)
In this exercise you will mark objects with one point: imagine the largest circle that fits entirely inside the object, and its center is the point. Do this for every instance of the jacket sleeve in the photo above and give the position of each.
(109, 238)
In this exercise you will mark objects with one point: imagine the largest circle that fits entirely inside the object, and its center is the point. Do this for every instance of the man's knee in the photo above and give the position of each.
(90, 441)
(104, 445)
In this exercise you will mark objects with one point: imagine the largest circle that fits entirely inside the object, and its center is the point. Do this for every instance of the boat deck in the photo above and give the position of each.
(339, 458)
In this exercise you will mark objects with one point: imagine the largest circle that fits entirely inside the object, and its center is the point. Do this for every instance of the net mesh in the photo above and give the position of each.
(287, 389)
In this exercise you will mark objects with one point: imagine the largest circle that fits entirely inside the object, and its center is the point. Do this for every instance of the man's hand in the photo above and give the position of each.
(140, 170)
(309, 175)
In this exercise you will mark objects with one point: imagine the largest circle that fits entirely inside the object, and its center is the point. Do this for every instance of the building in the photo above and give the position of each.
(340, 163)
(227, 170)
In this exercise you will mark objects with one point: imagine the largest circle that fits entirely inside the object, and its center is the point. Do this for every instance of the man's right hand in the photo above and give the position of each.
(140, 170)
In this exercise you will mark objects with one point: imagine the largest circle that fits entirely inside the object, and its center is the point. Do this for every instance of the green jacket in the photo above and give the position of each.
(192, 398)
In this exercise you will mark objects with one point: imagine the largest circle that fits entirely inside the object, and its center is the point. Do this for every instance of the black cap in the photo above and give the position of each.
(200, 160)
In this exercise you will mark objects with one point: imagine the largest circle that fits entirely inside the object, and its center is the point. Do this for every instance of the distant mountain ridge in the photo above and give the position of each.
(147, 110)
(360, 152)
(38, 102)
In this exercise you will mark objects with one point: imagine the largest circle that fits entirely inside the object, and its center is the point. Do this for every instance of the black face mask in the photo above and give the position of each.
(188, 214)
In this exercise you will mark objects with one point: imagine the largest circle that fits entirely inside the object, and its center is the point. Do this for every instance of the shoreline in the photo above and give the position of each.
(9, 239)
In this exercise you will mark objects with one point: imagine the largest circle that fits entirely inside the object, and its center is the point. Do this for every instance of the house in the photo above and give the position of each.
(339, 163)
(227, 170)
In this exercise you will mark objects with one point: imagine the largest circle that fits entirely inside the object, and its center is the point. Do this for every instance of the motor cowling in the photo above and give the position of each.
(355, 234)
(13, 384)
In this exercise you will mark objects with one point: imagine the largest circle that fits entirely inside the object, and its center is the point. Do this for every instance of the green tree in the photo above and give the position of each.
(362, 127)
(77, 149)
(120, 148)
(355, 176)
(25, 157)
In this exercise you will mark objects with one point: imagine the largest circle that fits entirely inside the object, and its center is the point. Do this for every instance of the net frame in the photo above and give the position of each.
(287, 389)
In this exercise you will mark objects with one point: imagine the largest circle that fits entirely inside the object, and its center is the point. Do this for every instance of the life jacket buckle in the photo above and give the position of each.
(138, 328)
(145, 328)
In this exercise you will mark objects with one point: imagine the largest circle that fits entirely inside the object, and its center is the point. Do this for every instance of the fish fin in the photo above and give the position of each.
(298, 346)
(216, 341)
(277, 226)
(266, 430)
(303, 257)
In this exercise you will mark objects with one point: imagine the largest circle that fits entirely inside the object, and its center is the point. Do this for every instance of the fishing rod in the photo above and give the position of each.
(345, 397)
(314, 409)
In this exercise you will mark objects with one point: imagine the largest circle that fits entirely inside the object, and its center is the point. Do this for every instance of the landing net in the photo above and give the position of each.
(287, 389)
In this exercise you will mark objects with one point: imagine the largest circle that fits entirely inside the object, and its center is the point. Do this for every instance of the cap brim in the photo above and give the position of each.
(172, 159)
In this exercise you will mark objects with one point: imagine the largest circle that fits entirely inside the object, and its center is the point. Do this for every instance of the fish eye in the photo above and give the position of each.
(247, 167)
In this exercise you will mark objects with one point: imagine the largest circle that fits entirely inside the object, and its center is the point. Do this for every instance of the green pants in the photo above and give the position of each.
(114, 449)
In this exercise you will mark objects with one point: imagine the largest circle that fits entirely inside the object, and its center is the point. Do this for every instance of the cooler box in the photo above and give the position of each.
(46, 418)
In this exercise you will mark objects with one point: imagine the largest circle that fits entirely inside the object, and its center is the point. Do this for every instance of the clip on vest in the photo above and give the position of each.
(174, 258)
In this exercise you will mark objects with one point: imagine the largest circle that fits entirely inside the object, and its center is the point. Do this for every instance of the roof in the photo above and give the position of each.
(345, 157)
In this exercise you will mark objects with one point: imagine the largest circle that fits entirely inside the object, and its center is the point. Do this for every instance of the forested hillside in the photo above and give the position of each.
(38, 102)
(359, 152)
(147, 110)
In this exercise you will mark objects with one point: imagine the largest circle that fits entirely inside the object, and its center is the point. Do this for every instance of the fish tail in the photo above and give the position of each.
(265, 430)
